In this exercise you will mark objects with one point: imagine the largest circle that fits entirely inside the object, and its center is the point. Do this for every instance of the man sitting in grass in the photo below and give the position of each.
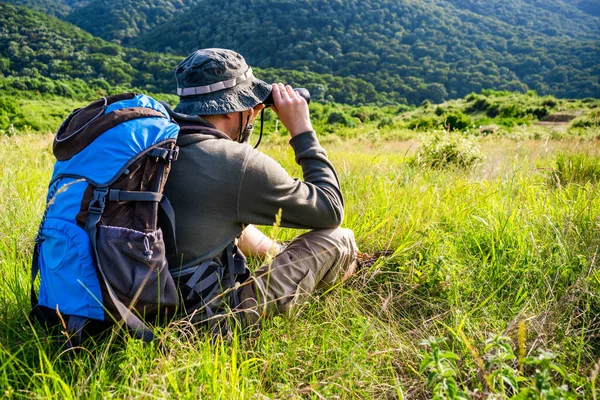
(220, 186)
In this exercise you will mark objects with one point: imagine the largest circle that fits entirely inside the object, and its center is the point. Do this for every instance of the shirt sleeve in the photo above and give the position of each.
(315, 202)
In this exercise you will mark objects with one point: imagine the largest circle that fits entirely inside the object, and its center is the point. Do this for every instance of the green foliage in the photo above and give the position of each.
(385, 122)
(59, 8)
(340, 118)
(471, 251)
(448, 150)
(458, 121)
(511, 111)
(505, 112)
(502, 378)
(541, 384)
(589, 120)
(576, 168)
(123, 20)
(441, 366)
(424, 123)
(413, 50)
(39, 49)
(39, 46)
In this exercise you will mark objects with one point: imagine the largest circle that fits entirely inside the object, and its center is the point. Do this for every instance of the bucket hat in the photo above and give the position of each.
(217, 81)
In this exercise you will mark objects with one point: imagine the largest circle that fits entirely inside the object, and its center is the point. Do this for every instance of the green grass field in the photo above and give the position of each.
(501, 259)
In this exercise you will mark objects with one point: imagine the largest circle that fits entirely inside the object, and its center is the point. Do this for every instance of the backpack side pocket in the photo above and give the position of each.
(68, 273)
(136, 267)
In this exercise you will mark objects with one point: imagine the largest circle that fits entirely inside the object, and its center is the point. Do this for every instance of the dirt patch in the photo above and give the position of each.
(561, 118)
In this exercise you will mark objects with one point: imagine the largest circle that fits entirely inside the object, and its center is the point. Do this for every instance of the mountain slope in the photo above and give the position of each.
(41, 53)
(33, 44)
(548, 17)
(421, 49)
(59, 8)
(409, 49)
(120, 21)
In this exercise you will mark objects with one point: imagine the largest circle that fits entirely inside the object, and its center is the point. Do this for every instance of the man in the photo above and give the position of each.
(220, 185)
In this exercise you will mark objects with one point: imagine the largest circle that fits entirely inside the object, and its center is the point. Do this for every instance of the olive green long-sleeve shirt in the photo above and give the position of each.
(217, 186)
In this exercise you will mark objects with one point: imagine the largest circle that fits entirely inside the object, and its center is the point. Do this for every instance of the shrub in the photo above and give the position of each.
(550, 102)
(340, 118)
(576, 168)
(8, 106)
(403, 108)
(424, 124)
(361, 115)
(458, 121)
(587, 121)
(480, 104)
(493, 110)
(448, 150)
(511, 111)
(539, 112)
(385, 122)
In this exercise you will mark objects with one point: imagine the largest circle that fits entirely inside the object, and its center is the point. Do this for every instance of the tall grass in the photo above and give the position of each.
(476, 253)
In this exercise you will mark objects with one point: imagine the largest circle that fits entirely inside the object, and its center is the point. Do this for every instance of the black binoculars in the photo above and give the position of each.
(304, 93)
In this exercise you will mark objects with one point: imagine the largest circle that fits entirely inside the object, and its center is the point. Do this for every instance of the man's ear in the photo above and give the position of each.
(256, 110)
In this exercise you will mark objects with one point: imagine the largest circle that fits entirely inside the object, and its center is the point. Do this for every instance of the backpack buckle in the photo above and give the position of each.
(175, 154)
(166, 155)
(98, 201)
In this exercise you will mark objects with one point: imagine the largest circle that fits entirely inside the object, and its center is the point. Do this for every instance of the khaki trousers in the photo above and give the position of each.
(313, 261)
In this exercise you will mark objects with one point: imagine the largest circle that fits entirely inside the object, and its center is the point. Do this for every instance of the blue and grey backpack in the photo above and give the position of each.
(101, 246)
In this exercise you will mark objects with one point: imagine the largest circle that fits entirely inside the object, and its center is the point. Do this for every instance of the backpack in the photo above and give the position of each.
(102, 245)
(100, 249)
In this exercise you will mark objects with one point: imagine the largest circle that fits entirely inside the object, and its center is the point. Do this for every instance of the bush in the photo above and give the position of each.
(340, 118)
(511, 111)
(424, 124)
(576, 168)
(539, 112)
(458, 121)
(385, 123)
(480, 104)
(587, 121)
(361, 115)
(403, 108)
(448, 150)
(493, 110)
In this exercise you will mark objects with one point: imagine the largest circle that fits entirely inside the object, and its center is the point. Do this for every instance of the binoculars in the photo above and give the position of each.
(304, 93)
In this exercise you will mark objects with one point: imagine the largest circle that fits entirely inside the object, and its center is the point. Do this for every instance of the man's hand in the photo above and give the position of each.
(253, 242)
(291, 109)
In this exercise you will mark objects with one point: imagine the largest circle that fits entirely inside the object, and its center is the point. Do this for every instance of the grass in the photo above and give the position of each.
(498, 250)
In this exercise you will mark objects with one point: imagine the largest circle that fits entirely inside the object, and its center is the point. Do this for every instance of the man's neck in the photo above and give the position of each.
(220, 123)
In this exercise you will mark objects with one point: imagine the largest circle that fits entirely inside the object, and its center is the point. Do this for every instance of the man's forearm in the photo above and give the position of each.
(253, 243)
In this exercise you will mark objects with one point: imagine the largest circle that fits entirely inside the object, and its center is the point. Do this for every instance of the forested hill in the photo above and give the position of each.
(409, 50)
(59, 8)
(123, 20)
(415, 49)
(422, 49)
(40, 53)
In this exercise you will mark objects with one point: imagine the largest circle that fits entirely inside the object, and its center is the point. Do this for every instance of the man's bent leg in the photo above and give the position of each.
(313, 261)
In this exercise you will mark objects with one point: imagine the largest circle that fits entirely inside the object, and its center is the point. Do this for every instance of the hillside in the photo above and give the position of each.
(423, 50)
(59, 8)
(34, 45)
(410, 50)
(549, 17)
(126, 19)
(40, 53)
